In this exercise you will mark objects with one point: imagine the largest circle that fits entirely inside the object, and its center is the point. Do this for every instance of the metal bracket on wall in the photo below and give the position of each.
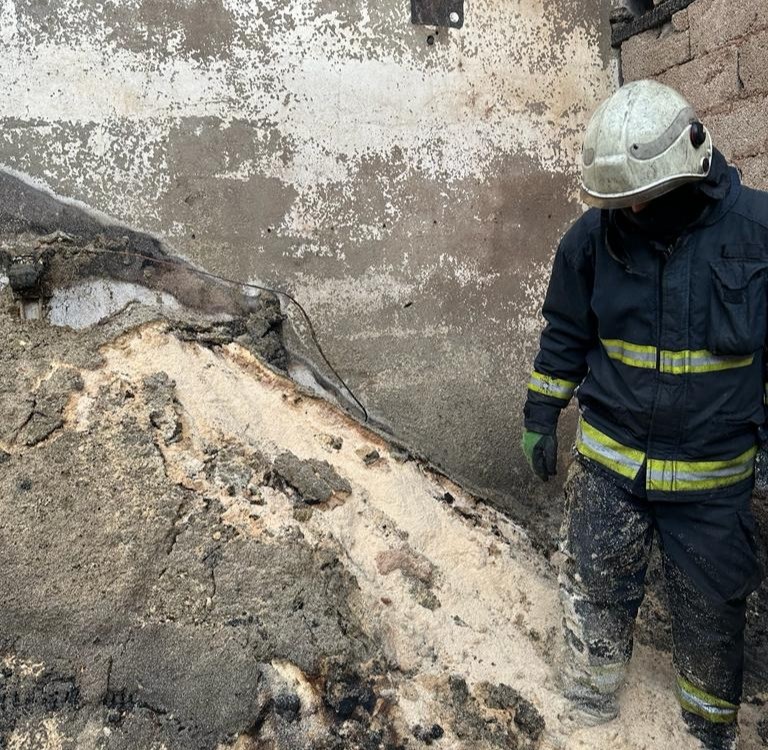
(438, 13)
(660, 15)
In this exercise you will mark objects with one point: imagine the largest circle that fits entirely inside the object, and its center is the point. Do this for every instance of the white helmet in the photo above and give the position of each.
(642, 142)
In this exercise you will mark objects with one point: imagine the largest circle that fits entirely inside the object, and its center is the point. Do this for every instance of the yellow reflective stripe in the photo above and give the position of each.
(630, 354)
(681, 362)
(704, 704)
(673, 476)
(592, 443)
(700, 360)
(662, 475)
(549, 386)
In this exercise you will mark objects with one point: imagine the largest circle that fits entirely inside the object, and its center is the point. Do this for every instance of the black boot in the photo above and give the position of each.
(712, 736)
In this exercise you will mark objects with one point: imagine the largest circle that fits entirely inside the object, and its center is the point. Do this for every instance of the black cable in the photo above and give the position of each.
(207, 274)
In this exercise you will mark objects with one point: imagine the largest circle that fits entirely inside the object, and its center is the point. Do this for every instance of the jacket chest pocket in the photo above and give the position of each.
(737, 306)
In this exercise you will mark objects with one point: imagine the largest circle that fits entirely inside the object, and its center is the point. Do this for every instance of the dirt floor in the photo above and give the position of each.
(197, 553)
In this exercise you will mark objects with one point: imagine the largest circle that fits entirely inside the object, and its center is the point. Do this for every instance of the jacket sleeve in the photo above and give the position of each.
(570, 333)
(764, 429)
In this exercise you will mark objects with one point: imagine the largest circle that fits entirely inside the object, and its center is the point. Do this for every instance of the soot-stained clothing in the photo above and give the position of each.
(658, 322)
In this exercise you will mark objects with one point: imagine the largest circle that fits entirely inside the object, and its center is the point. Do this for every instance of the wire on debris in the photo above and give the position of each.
(247, 285)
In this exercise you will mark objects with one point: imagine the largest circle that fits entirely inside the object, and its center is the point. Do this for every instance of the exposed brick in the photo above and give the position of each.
(706, 81)
(743, 130)
(680, 21)
(716, 22)
(753, 63)
(651, 53)
(754, 171)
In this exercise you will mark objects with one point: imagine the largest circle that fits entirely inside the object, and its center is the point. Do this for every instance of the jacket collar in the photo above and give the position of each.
(718, 192)
(726, 192)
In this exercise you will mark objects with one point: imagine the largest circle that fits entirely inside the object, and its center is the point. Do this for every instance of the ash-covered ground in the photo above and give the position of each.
(197, 553)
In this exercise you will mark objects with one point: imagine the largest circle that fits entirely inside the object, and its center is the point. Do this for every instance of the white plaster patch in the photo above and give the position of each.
(464, 271)
(83, 81)
(403, 332)
(535, 284)
(366, 233)
(303, 375)
(357, 297)
(89, 302)
(317, 250)
(8, 22)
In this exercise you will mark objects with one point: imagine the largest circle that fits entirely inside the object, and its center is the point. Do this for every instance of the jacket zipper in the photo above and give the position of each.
(664, 257)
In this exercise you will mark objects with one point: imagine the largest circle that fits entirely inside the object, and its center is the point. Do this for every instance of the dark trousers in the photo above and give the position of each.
(711, 565)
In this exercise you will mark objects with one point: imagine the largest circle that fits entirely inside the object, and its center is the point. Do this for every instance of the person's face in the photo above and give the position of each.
(638, 207)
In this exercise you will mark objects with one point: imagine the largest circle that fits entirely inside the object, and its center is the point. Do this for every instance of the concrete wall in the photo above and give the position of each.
(715, 53)
(410, 194)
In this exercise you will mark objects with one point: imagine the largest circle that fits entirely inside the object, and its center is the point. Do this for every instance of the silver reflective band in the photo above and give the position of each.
(663, 474)
(700, 702)
(634, 355)
(611, 455)
(593, 444)
(708, 707)
(697, 476)
(549, 386)
(669, 475)
(683, 362)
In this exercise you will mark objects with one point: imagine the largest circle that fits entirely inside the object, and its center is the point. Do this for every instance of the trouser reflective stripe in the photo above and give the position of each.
(592, 443)
(682, 362)
(703, 704)
(670, 476)
(549, 386)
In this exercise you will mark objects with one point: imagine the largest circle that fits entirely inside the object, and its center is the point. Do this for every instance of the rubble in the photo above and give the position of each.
(195, 556)
(314, 481)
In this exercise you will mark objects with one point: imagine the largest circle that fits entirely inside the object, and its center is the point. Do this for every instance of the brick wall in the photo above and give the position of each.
(715, 52)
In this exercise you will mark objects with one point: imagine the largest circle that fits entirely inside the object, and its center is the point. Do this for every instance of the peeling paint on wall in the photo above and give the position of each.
(331, 91)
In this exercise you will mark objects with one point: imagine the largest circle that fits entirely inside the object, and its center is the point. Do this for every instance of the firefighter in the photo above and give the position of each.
(656, 318)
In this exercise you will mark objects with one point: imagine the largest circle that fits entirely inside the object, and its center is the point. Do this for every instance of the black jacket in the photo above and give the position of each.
(663, 342)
